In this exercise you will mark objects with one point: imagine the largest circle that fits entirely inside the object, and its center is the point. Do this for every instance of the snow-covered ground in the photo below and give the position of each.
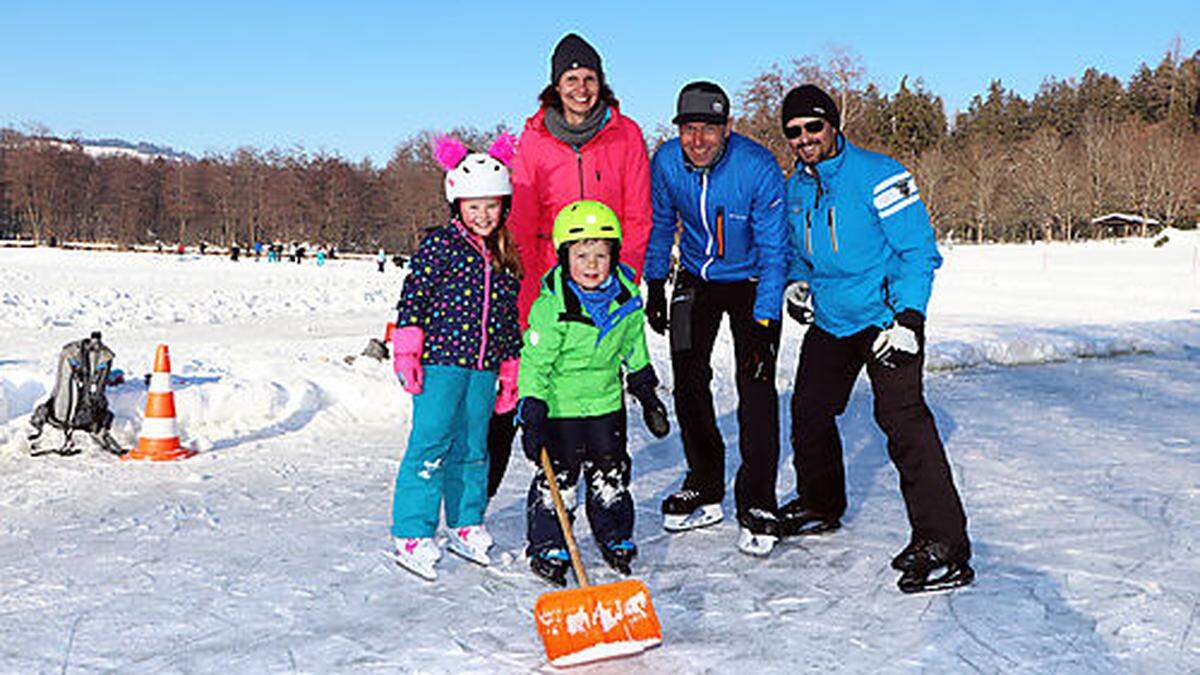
(1081, 477)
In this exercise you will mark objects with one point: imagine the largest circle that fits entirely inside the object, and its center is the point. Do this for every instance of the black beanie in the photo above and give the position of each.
(810, 100)
(574, 52)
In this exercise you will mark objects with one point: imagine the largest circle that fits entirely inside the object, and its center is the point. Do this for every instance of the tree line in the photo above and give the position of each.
(1006, 169)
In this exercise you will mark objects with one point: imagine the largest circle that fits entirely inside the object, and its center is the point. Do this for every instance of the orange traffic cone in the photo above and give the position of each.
(159, 440)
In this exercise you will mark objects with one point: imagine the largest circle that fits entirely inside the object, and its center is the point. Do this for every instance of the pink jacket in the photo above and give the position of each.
(548, 174)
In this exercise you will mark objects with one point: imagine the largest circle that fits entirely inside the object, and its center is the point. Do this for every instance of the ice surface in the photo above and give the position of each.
(1080, 477)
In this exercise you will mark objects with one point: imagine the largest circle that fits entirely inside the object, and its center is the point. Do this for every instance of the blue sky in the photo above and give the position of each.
(356, 79)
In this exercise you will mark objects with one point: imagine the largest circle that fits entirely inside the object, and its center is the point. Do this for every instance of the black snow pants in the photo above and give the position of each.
(595, 448)
(827, 370)
(758, 401)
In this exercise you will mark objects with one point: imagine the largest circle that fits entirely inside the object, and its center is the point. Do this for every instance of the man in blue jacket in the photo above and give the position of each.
(862, 270)
(724, 194)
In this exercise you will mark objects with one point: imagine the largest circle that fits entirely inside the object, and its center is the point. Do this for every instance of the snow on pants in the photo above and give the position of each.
(594, 447)
(446, 460)
(827, 370)
(758, 401)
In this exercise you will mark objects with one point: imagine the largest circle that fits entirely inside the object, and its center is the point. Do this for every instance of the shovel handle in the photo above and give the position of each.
(563, 521)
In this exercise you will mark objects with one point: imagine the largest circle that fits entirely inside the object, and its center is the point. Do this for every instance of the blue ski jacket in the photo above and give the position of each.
(732, 216)
(862, 239)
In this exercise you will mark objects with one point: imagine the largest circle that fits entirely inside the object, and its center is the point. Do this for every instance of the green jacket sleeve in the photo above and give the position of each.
(634, 354)
(542, 344)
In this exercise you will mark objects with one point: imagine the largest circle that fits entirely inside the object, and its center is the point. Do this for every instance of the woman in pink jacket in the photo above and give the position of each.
(577, 146)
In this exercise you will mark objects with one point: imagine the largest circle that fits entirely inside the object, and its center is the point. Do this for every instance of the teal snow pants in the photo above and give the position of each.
(447, 459)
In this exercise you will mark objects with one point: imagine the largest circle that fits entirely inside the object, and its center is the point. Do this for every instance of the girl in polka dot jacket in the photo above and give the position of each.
(456, 351)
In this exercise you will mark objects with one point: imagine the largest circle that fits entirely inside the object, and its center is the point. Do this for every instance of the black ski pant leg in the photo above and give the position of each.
(501, 432)
(606, 474)
(566, 458)
(934, 508)
(757, 411)
(825, 375)
(692, 368)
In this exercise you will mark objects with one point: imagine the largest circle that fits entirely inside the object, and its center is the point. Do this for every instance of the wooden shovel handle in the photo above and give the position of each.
(563, 521)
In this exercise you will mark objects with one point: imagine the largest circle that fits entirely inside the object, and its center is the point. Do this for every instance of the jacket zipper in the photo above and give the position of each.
(808, 230)
(833, 229)
(704, 220)
(487, 301)
(579, 163)
(720, 231)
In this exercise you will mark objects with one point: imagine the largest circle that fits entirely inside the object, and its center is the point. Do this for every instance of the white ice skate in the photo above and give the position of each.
(758, 545)
(417, 555)
(471, 542)
(702, 516)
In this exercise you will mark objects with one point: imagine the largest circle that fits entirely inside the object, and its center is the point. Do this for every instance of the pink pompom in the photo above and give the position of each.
(504, 148)
(448, 151)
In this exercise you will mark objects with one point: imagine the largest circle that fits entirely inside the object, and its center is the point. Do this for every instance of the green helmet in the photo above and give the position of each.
(585, 219)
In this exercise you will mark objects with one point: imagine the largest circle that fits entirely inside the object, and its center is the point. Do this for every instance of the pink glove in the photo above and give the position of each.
(407, 344)
(506, 398)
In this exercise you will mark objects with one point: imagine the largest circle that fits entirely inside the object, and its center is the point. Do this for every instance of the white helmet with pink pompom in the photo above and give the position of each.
(475, 174)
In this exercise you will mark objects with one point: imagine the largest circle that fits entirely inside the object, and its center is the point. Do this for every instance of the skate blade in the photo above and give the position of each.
(757, 545)
(428, 574)
(466, 553)
(709, 514)
(949, 578)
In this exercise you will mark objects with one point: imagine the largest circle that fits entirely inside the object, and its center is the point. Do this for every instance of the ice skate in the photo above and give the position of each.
(758, 533)
(687, 509)
(471, 542)
(931, 566)
(795, 520)
(417, 555)
(619, 555)
(551, 564)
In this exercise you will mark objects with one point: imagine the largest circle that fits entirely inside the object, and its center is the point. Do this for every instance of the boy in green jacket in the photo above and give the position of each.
(584, 326)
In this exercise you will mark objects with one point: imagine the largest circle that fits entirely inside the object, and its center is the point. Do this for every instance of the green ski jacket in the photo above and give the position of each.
(567, 362)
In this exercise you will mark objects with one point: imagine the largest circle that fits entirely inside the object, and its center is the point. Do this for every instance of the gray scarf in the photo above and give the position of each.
(576, 136)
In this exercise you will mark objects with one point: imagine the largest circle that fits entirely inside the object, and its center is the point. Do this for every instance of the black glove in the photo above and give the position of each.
(531, 417)
(901, 343)
(654, 413)
(764, 348)
(656, 305)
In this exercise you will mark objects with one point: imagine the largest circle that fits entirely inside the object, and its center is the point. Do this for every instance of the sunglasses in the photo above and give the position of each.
(812, 127)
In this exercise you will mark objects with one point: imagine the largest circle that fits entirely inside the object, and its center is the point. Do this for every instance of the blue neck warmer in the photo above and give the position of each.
(597, 302)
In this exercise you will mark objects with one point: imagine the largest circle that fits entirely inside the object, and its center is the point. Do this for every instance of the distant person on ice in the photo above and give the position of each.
(726, 193)
(381, 260)
(578, 145)
(586, 324)
(457, 337)
(863, 261)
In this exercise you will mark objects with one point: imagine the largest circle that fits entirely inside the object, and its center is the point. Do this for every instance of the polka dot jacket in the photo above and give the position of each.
(467, 310)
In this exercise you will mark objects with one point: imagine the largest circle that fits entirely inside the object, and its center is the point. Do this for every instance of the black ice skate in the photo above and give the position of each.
(797, 521)
(619, 555)
(552, 565)
(931, 566)
(687, 509)
(759, 532)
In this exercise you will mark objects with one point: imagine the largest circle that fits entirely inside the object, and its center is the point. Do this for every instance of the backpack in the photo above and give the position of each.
(77, 401)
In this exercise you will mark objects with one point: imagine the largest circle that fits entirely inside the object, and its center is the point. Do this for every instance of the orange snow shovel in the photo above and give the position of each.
(589, 623)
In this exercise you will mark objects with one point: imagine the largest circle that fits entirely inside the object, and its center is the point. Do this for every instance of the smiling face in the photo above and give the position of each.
(811, 146)
(702, 141)
(579, 90)
(481, 215)
(590, 261)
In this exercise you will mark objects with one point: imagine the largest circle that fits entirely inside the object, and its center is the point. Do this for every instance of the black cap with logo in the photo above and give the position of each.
(702, 102)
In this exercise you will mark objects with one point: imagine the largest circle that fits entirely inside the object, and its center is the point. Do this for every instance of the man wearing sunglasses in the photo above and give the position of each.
(863, 257)
(723, 193)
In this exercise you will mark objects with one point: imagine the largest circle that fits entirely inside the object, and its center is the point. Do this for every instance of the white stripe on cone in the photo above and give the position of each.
(158, 428)
(160, 383)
